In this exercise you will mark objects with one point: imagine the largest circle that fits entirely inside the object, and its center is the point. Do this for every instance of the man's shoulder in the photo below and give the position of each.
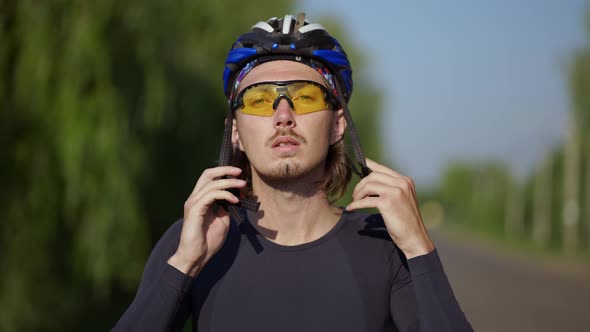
(366, 227)
(171, 236)
(370, 224)
(365, 238)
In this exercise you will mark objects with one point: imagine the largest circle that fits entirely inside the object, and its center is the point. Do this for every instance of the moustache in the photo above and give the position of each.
(286, 132)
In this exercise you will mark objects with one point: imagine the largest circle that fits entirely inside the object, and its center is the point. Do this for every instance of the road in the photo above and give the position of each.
(499, 291)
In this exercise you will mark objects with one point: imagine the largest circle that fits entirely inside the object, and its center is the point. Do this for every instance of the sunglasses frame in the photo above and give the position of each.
(329, 96)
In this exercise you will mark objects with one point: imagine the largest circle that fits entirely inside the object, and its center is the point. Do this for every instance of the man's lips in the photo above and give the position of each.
(284, 141)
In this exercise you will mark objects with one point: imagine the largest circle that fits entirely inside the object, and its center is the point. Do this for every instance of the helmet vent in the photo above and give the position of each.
(300, 22)
(311, 27)
(264, 26)
(287, 24)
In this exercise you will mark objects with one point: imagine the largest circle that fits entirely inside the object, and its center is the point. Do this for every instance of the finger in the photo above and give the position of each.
(373, 177)
(376, 167)
(215, 185)
(216, 172)
(365, 203)
(381, 190)
(221, 214)
(218, 185)
(201, 206)
(412, 186)
(387, 179)
(225, 218)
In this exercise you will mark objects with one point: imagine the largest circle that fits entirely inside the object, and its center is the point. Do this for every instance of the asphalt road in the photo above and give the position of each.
(500, 291)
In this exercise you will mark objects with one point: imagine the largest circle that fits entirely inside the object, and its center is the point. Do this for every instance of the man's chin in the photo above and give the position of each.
(285, 171)
(286, 154)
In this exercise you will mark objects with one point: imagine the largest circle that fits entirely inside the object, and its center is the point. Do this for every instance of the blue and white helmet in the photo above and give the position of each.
(289, 38)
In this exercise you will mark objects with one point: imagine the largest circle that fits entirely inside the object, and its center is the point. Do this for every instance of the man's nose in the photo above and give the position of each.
(284, 115)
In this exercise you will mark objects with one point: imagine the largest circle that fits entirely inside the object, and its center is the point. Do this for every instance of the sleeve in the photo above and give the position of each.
(438, 309)
(162, 302)
(402, 300)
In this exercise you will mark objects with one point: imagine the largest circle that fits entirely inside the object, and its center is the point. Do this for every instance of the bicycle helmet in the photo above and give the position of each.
(289, 38)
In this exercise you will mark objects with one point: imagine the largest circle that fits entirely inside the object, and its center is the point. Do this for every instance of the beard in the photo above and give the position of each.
(287, 170)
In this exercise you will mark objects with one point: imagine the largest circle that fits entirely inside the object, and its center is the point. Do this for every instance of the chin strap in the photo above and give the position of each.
(356, 143)
(225, 155)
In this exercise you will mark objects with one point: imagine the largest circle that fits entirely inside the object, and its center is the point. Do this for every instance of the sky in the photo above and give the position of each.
(463, 79)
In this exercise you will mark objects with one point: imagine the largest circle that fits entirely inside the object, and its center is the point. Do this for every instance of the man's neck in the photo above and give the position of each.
(292, 212)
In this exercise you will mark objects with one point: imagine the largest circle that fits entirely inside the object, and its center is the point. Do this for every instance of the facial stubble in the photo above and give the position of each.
(287, 169)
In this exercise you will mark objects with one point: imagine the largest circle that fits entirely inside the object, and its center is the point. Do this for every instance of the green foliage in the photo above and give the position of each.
(579, 87)
(474, 195)
(109, 111)
(557, 205)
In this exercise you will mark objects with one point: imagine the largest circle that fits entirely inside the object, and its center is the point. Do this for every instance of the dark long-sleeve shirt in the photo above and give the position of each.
(354, 278)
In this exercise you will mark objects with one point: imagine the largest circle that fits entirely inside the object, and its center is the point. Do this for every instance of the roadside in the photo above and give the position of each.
(501, 290)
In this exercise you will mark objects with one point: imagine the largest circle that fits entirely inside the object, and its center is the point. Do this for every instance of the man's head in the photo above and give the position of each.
(286, 145)
(283, 136)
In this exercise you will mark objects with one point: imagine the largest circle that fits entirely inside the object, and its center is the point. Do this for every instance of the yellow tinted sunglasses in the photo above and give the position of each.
(304, 97)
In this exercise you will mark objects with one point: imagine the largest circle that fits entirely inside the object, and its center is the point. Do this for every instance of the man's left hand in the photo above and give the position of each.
(394, 195)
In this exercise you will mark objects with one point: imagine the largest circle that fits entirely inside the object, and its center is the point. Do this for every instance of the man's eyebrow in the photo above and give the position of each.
(299, 85)
(264, 86)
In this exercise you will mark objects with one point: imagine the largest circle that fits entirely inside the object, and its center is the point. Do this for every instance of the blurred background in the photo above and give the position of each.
(110, 110)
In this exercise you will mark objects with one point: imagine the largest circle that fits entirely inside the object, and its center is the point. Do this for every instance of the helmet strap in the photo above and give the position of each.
(225, 156)
(356, 144)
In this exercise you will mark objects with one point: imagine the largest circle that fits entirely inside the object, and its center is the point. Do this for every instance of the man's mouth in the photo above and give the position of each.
(285, 146)
(284, 141)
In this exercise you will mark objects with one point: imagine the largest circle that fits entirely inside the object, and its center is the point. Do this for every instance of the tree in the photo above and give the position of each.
(579, 87)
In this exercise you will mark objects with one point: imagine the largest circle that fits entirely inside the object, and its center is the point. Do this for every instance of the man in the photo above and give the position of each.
(297, 263)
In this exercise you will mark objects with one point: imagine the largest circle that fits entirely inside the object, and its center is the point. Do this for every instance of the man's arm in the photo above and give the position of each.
(162, 302)
(394, 195)
(438, 309)
(422, 298)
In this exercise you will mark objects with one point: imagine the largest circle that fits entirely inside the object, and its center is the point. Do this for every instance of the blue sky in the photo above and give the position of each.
(469, 80)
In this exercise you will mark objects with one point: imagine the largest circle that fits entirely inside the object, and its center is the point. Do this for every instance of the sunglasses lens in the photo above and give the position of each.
(258, 100)
(306, 97)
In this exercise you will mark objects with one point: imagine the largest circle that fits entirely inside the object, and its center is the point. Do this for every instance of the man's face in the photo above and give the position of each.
(285, 145)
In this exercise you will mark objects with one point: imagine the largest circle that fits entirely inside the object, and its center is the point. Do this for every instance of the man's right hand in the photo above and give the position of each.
(205, 224)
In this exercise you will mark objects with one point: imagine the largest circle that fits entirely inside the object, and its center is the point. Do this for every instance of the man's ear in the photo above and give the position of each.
(338, 127)
(235, 136)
